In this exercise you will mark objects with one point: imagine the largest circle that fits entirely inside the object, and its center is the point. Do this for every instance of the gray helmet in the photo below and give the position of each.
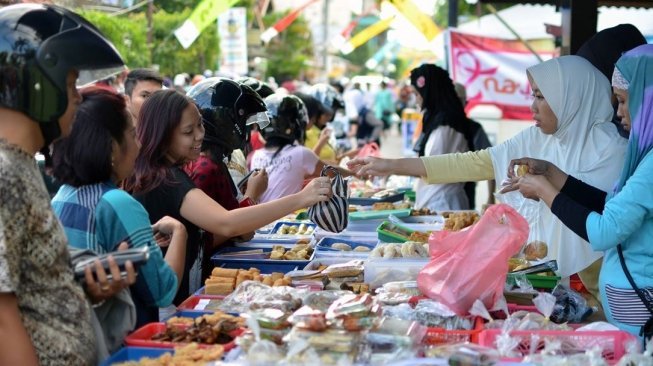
(329, 97)
(288, 118)
(39, 45)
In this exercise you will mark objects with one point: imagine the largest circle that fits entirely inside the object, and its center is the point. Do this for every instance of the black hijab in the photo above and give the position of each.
(604, 49)
(440, 104)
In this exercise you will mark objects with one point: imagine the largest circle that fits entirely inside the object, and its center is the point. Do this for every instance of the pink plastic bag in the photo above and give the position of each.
(369, 149)
(473, 264)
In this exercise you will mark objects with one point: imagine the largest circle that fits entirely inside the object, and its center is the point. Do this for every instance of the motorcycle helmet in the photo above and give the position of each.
(261, 88)
(288, 118)
(329, 97)
(39, 46)
(227, 108)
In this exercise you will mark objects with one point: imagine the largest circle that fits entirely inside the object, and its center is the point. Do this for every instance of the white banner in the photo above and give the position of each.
(493, 71)
(232, 29)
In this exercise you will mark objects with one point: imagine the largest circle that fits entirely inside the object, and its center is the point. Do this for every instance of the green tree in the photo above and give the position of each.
(171, 57)
(289, 51)
(127, 35)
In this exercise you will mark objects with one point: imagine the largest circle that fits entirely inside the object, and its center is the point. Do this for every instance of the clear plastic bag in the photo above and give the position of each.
(570, 306)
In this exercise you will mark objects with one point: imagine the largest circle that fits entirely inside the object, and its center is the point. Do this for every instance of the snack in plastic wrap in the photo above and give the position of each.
(409, 249)
(349, 269)
(323, 299)
(189, 355)
(465, 354)
(434, 314)
(254, 295)
(308, 318)
(536, 250)
(570, 306)
(270, 318)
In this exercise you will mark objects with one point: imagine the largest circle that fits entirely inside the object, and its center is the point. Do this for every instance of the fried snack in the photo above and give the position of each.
(277, 254)
(536, 250)
(457, 221)
(382, 206)
(515, 264)
(362, 248)
(268, 281)
(403, 205)
(218, 288)
(424, 211)
(228, 280)
(188, 355)
(419, 236)
(177, 321)
(341, 246)
(276, 276)
(224, 272)
(522, 170)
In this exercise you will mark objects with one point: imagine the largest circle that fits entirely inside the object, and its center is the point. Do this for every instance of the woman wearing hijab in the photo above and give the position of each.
(445, 130)
(572, 111)
(604, 49)
(619, 223)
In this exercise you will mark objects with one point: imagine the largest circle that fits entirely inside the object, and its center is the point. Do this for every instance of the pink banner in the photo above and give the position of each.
(494, 72)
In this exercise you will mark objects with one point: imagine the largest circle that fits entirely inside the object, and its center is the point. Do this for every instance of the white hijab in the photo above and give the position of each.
(586, 145)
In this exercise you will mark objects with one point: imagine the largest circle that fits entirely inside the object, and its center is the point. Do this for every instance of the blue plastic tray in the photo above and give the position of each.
(261, 262)
(277, 226)
(325, 244)
(370, 201)
(134, 354)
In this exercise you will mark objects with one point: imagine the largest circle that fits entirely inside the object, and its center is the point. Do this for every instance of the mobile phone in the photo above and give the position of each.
(245, 178)
(137, 256)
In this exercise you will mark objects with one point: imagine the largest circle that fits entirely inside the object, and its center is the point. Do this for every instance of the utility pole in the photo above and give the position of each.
(453, 14)
(325, 38)
(150, 29)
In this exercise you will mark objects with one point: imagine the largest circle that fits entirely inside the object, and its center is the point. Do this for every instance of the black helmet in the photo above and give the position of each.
(328, 96)
(288, 117)
(261, 88)
(227, 108)
(39, 45)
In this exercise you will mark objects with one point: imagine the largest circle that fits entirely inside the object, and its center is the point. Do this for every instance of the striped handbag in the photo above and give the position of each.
(332, 215)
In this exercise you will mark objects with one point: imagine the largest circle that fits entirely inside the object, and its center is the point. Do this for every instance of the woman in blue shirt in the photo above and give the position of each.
(97, 215)
(619, 223)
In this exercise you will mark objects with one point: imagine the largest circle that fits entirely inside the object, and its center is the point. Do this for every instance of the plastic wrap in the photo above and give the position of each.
(466, 354)
(434, 314)
(252, 295)
(570, 306)
(308, 318)
(397, 292)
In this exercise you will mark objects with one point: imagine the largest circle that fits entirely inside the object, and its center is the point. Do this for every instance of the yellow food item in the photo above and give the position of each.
(522, 170)
(536, 250)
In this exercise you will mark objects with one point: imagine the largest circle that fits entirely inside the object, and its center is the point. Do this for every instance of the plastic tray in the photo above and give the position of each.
(378, 214)
(190, 303)
(387, 236)
(424, 219)
(542, 282)
(370, 201)
(142, 337)
(327, 261)
(267, 243)
(612, 342)
(261, 262)
(379, 271)
(277, 226)
(134, 354)
(200, 292)
(439, 336)
(358, 234)
(324, 249)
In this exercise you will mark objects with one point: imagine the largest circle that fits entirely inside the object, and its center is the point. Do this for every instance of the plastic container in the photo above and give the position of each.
(424, 219)
(327, 261)
(387, 236)
(380, 271)
(134, 354)
(613, 343)
(267, 243)
(142, 337)
(542, 282)
(309, 225)
(439, 336)
(378, 214)
(370, 201)
(262, 262)
(324, 249)
(347, 233)
(365, 225)
(191, 303)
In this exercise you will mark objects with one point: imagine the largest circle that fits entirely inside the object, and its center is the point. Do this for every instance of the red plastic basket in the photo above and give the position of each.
(613, 342)
(142, 337)
(190, 303)
(439, 336)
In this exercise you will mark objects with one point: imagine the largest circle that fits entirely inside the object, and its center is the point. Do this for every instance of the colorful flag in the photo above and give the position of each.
(366, 34)
(420, 20)
(284, 22)
(204, 14)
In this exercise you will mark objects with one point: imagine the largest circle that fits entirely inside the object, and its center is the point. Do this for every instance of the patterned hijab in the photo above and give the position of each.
(636, 67)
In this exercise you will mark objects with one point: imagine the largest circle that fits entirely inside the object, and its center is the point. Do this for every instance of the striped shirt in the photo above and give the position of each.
(99, 217)
(626, 306)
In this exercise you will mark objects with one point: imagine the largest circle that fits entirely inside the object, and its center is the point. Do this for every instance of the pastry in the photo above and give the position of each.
(522, 170)
(341, 246)
(224, 272)
(536, 250)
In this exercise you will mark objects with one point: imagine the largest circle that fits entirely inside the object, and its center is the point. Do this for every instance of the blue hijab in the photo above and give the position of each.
(636, 66)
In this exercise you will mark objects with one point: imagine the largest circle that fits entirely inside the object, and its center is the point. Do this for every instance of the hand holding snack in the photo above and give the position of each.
(523, 166)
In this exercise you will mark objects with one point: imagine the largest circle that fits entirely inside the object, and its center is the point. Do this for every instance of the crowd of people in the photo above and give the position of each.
(183, 172)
